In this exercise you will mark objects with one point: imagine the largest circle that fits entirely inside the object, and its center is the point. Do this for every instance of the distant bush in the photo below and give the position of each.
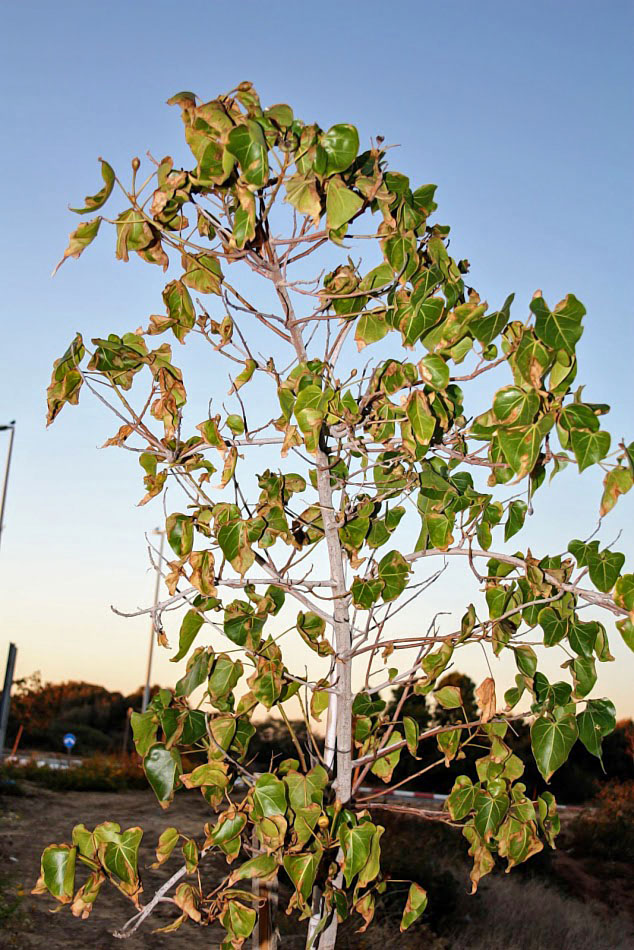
(608, 829)
(99, 773)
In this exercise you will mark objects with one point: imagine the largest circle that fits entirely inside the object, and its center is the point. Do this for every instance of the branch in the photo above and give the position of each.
(592, 597)
(373, 756)
(135, 922)
(411, 810)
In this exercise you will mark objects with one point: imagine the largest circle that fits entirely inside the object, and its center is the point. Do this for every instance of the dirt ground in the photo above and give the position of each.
(29, 823)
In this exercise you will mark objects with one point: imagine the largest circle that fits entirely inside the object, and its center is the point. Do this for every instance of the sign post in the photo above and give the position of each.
(6, 694)
(69, 741)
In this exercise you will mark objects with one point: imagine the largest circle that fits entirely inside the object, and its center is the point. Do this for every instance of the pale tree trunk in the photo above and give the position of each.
(339, 721)
(340, 703)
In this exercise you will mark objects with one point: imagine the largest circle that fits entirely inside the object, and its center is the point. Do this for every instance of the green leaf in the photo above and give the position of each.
(242, 378)
(269, 796)
(355, 843)
(248, 144)
(420, 318)
(521, 446)
(241, 623)
(66, 380)
(393, 571)
(312, 628)
(489, 813)
(222, 729)
(604, 568)
(305, 790)
(319, 703)
(626, 629)
(235, 423)
(310, 408)
(190, 853)
(120, 855)
(341, 204)
(144, 728)
(190, 627)
(166, 844)
(202, 273)
(262, 866)
(225, 675)
(461, 801)
(578, 416)
(415, 906)
(515, 518)
(514, 406)
(197, 670)
(596, 721)
(584, 675)
(582, 636)
(624, 592)
(421, 417)
(486, 328)
(162, 767)
(561, 328)
(234, 543)
(341, 145)
(526, 660)
(226, 833)
(371, 327)
(581, 551)
(302, 870)
(301, 192)
(551, 741)
(238, 920)
(98, 200)
(449, 743)
(281, 114)
(372, 866)
(618, 481)
(180, 309)
(449, 697)
(180, 533)
(411, 729)
(58, 871)
(434, 370)
(212, 775)
(589, 447)
(365, 593)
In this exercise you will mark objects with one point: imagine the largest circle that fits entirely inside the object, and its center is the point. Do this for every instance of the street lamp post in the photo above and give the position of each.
(11, 428)
(157, 586)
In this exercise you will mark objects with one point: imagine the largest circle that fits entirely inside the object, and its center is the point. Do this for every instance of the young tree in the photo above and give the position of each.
(358, 454)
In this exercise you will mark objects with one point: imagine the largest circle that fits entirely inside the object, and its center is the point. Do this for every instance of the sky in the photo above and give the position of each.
(522, 115)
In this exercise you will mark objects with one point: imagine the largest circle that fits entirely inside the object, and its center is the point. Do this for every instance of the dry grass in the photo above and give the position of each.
(523, 914)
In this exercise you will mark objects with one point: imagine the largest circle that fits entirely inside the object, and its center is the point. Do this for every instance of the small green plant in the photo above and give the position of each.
(373, 467)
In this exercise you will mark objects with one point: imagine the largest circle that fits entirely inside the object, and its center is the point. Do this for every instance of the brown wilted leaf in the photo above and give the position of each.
(485, 695)
(120, 437)
(185, 897)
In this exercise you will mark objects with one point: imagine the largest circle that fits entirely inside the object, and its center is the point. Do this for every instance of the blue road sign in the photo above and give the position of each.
(69, 740)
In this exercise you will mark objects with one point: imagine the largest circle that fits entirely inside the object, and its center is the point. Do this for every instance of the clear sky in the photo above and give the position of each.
(520, 112)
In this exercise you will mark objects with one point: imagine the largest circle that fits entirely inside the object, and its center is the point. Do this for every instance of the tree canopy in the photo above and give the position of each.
(368, 466)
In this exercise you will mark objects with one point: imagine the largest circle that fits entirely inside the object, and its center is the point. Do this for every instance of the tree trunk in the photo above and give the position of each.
(340, 703)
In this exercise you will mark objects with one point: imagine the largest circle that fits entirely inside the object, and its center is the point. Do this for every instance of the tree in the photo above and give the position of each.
(380, 447)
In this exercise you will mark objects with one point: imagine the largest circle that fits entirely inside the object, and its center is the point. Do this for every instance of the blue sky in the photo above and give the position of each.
(521, 113)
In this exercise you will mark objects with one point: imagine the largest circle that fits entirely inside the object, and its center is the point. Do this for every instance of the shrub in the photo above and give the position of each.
(607, 830)
(96, 774)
